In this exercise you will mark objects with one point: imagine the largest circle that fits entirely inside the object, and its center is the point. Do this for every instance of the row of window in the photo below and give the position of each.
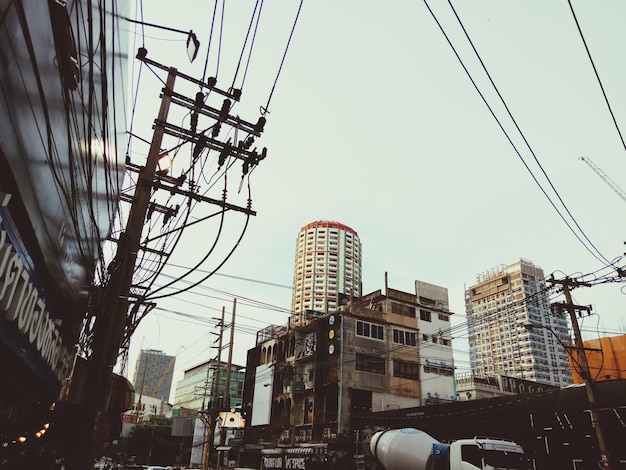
(447, 371)
(370, 330)
(409, 338)
(377, 365)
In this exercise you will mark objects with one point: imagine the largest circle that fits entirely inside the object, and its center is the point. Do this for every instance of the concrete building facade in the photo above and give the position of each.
(154, 372)
(305, 383)
(437, 364)
(327, 268)
(512, 331)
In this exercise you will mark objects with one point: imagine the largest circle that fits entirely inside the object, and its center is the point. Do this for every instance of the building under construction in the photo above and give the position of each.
(154, 373)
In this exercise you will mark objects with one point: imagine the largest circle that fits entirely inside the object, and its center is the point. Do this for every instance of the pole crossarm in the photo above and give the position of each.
(200, 198)
(201, 141)
(235, 94)
(559, 307)
(217, 114)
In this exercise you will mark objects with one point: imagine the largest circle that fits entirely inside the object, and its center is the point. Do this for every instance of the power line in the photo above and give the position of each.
(597, 75)
(596, 254)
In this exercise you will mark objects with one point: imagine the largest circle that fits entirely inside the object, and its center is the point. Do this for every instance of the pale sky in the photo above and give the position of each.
(375, 123)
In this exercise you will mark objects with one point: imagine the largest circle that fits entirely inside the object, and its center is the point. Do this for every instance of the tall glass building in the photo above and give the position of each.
(512, 331)
(327, 269)
(203, 386)
(154, 372)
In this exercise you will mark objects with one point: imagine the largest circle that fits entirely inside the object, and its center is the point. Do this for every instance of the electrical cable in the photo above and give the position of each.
(265, 110)
(595, 71)
(243, 47)
(152, 298)
(599, 255)
(208, 48)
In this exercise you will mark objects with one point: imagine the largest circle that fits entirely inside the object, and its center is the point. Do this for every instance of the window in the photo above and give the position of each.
(405, 337)
(406, 370)
(424, 315)
(439, 370)
(369, 330)
(405, 310)
(443, 317)
(368, 363)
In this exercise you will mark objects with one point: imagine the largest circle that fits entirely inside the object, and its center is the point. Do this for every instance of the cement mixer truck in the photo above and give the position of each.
(412, 449)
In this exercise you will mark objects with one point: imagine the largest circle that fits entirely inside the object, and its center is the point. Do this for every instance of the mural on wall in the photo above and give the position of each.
(306, 348)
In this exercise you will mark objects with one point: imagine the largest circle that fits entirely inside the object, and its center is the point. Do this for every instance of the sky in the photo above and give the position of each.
(383, 118)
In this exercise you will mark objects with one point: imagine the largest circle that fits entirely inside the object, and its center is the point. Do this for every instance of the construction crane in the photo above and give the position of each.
(606, 179)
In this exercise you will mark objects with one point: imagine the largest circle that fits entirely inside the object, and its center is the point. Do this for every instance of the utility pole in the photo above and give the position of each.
(112, 308)
(214, 398)
(111, 301)
(230, 356)
(566, 284)
(143, 379)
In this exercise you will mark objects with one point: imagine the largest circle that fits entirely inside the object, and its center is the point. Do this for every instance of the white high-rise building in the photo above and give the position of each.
(512, 331)
(327, 267)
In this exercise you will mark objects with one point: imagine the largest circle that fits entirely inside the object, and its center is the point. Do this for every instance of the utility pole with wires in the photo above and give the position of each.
(567, 284)
(112, 307)
(117, 301)
(215, 393)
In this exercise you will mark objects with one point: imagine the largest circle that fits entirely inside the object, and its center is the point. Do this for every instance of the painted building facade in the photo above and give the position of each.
(606, 358)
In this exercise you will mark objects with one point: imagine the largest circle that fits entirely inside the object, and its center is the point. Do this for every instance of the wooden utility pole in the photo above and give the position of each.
(585, 371)
(230, 356)
(215, 390)
(143, 380)
(112, 309)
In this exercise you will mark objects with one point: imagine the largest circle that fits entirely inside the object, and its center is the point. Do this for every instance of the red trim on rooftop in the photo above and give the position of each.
(329, 224)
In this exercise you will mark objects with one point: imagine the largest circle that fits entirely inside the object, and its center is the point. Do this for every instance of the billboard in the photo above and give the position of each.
(262, 400)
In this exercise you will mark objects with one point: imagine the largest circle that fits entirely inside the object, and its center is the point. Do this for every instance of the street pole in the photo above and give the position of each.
(143, 378)
(230, 356)
(586, 373)
(112, 313)
(214, 399)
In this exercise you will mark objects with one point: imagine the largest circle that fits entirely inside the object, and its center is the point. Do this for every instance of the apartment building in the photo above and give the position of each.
(512, 331)
(327, 269)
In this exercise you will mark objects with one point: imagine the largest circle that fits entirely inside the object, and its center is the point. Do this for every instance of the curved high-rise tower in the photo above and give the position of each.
(327, 265)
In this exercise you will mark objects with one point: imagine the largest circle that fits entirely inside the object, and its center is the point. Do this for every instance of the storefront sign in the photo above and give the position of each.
(26, 310)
